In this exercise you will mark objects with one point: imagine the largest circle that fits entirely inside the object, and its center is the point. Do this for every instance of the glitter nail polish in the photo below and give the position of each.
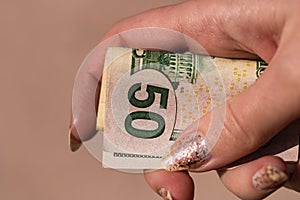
(165, 194)
(269, 178)
(187, 153)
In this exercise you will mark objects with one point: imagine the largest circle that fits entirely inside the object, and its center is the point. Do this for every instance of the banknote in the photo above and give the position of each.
(149, 97)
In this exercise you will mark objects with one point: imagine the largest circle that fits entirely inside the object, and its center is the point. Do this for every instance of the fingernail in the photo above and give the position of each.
(165, 194)
(74, 143)
(187, 153)
(269, 178)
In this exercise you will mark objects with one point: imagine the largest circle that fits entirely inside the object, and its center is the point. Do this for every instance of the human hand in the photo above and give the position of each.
(241, 29)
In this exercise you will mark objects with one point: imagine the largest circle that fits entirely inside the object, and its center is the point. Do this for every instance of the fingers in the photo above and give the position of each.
(150, 30)
(85, 89)
(195, 19)
(256, 179)
(178, 185)
(245, 122)
(146, 30)
(75, 140)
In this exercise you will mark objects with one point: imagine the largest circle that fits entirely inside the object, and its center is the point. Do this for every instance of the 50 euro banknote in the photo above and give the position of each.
(149, 97)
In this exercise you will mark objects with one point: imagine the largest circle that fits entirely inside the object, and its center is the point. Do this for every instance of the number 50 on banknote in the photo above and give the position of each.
(149, 97)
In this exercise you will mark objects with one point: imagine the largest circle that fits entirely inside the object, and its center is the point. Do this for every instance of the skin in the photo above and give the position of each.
(266, 29)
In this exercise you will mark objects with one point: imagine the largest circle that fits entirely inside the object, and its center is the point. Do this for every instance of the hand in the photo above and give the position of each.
(241, 29)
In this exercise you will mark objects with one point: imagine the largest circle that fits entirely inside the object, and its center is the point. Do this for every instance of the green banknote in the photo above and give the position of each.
(149, 97)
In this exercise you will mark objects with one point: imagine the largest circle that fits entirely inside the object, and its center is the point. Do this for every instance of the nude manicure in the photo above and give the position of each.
(165, 194)
(187, 153)
(74, 143)
(269, 178)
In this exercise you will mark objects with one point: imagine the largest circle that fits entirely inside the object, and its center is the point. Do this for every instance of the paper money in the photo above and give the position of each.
(149, 97)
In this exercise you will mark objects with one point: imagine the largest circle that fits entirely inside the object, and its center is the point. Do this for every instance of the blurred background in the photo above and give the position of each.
(42, 44)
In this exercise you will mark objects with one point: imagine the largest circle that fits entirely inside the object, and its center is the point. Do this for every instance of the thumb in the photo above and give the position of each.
(250, 119)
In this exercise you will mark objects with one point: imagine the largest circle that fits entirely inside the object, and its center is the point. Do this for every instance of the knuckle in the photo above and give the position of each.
(237, 131)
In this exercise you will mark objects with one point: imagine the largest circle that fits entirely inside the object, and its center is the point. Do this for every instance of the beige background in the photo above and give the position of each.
(42, 45)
